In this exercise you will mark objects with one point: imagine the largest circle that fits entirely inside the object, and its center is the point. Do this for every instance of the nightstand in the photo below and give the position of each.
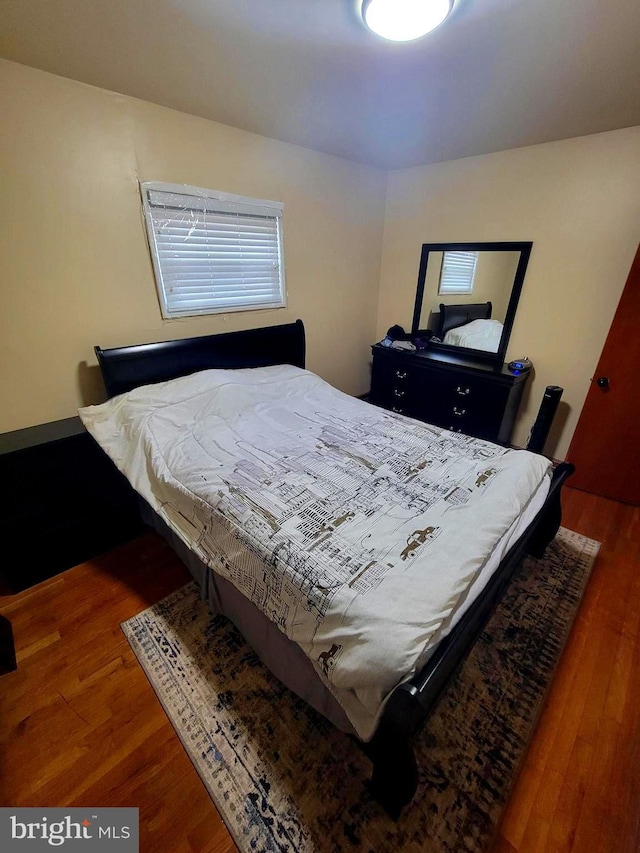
(7, 647)
(65, 501)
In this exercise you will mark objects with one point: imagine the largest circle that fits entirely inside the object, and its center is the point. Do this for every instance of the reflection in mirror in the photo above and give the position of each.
(469, 279)
(468, 294)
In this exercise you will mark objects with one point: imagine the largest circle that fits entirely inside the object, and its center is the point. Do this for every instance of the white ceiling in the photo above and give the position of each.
(499, 74)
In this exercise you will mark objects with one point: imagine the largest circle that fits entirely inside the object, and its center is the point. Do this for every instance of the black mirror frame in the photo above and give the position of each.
(525, 251)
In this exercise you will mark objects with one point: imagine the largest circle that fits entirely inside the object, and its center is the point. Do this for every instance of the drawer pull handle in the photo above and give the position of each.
(453, 428)
(398, 393)
(459, 412)
(463, 391)
(401, 375)
(396, 410)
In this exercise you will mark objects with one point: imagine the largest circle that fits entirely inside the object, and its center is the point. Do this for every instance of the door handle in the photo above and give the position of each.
(602, 382)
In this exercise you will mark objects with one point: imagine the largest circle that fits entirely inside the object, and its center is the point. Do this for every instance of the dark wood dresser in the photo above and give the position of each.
(65, 501)
(459, 394)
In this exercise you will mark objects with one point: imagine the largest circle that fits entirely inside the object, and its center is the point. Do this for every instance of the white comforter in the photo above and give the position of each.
(355, 530)
(478, 334)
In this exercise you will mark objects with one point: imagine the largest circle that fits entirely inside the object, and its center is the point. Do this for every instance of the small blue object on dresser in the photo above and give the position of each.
(520, 365)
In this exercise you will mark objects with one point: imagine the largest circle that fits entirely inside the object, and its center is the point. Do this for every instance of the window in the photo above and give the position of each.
(213, 251)
(458, 271)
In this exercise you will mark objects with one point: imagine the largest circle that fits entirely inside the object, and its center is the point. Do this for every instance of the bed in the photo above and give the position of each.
(241, 511)
(470, 326)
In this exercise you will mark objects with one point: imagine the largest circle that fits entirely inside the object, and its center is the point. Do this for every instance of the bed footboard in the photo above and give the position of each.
(395, 774)
(548, 522)
(395, 771)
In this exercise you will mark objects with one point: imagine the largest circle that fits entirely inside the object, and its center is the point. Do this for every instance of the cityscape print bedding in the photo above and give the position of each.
(357, 531)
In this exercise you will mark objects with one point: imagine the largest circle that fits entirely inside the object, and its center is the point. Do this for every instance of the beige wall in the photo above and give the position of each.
(75, 269)
(578, 200)
(74, 264)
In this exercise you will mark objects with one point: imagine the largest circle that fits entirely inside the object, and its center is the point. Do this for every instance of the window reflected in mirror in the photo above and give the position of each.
(457, 272)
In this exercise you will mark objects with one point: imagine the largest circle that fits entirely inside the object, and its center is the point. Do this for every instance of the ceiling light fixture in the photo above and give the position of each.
(404, 20)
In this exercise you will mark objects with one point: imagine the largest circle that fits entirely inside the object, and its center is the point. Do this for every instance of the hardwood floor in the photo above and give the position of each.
(80, 725)
(579, 787)
(79, 722)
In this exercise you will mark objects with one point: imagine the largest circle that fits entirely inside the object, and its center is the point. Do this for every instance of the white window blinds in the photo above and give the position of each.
(458, 272)
(213, 251)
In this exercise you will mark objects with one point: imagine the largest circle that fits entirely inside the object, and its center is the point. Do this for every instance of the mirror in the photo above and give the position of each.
(467, 296)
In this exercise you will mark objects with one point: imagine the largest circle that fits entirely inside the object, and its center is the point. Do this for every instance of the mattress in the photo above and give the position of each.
(361, 534)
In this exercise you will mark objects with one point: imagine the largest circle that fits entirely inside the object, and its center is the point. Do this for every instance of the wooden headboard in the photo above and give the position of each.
(452, 316)
(124, 368)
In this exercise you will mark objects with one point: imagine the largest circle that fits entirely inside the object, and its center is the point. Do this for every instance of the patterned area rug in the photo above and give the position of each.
(285, 780)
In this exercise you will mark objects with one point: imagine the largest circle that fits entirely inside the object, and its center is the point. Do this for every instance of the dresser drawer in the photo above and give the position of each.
(455, 394)
(396, 388)
(471, 405)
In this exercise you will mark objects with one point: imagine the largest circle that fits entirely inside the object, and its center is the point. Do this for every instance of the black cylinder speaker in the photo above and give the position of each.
(546, 414)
